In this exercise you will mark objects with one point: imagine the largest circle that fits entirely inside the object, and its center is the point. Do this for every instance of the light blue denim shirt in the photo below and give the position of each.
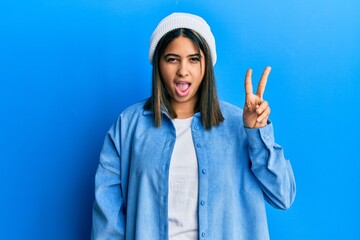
(239, 168)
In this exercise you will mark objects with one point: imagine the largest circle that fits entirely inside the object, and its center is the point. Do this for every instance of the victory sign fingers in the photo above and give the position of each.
(256, 110)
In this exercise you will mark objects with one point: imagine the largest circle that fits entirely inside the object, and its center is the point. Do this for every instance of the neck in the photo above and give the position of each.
(184, 110)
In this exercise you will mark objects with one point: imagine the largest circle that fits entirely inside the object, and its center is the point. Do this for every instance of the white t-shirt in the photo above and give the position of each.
(183, 185)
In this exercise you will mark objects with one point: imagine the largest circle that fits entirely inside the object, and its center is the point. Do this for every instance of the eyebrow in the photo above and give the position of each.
(176, 55)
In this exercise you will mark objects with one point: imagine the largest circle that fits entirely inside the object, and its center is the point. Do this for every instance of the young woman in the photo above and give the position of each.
(184, 165)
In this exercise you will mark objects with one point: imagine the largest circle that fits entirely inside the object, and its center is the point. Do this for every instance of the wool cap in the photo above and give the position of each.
(183, 20)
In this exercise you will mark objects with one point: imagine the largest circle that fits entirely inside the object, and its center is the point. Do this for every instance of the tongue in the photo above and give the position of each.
(183, 86)
(182, 89)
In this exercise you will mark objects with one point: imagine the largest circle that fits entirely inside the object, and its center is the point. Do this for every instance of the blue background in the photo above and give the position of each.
(69, 67)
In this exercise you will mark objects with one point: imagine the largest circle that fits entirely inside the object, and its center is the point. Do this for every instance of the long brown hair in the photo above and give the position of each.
(207, 104)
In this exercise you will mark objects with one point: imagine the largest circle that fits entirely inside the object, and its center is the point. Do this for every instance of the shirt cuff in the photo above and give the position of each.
(260, 137)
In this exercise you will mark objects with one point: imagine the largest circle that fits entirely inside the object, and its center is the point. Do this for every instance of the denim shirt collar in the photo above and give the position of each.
(164, 111)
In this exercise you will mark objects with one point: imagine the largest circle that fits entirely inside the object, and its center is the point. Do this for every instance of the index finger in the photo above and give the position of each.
(262, 83)
(248, 83)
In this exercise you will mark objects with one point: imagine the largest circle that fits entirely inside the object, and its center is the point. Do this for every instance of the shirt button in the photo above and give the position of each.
(202, 203)
(204, 171)
(203, 234)
(164, 198)
(196, 127)
(198, 145)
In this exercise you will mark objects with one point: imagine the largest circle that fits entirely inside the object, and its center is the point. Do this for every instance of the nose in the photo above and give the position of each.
(183, 69)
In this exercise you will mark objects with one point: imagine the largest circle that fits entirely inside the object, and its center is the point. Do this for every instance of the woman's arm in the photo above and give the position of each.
(273, 171)
(268, 163)
(109, 210)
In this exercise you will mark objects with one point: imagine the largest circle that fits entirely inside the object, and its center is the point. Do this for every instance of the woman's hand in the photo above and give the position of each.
(256, 109)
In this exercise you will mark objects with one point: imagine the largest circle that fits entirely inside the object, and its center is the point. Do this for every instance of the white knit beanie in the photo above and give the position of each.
(183, 20)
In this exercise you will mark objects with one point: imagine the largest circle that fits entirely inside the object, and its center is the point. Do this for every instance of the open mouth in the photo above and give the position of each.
(182, 88)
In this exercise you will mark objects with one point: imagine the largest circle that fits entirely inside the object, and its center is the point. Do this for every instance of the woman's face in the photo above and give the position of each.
(182, 70)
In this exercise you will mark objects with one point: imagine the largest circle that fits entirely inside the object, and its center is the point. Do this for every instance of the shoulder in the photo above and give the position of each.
(129, 119)
(230, 110)
(132, 113)
(233, 115)
(233, 119)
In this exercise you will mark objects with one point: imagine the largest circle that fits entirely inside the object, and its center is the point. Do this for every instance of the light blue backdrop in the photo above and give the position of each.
(69, 67)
